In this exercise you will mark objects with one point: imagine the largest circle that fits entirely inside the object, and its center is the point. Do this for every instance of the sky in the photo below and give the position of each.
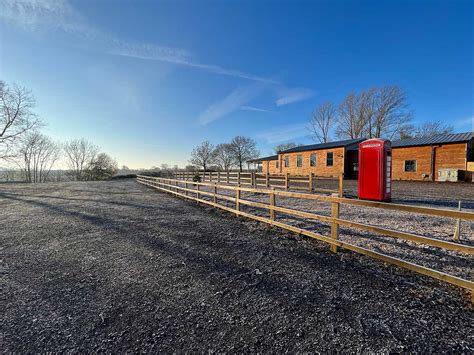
(149, 80)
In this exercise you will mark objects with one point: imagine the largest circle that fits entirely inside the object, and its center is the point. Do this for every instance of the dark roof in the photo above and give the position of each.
(271, 157)
(438, 139)
(336, 144)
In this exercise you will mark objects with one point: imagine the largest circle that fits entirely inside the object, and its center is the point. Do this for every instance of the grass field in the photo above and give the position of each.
(116, 266)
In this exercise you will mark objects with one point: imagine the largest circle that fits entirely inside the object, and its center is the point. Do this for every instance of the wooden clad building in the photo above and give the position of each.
(325, 160)
(423, 158)
(266, 164)
(427, 158)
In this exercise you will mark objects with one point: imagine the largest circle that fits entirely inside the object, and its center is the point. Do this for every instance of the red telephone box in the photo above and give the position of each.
(375, 170)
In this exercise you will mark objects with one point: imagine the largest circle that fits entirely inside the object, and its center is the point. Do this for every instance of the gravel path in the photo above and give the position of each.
(115, 266)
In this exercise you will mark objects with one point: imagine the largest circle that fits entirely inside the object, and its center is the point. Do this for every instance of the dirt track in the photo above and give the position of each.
(115, 266)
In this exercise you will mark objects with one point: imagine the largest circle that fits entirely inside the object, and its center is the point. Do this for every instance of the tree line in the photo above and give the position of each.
(224, 156)
(378, 112)
(22, 143)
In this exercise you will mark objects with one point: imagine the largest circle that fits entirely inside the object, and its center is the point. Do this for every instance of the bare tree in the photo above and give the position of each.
(39, 153)
(203, 155)
(322, 121)
(243, 149)
(374, 113)
(80, 153)
(285, 146)
(224, 157)
(190, 168)
(433, 128)
(352, 117)
(16, 116)
(102, 167)
(386, 111)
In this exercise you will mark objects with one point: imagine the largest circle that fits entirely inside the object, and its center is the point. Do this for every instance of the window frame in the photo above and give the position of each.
(286, 160)
(405, 166)
(311, 156)
(332, 158)
(299, 161)
(277, 164)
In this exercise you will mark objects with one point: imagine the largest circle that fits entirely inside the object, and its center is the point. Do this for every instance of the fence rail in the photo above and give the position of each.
(192, 190)
(281, 181)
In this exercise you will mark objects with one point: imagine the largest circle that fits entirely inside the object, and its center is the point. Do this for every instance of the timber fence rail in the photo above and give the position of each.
(282, 181)
(192, 190)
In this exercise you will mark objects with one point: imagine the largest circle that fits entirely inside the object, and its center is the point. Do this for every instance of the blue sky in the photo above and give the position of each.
(148, 80)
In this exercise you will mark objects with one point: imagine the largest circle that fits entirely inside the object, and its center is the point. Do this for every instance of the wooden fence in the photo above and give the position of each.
(283, 181)
(193, 191)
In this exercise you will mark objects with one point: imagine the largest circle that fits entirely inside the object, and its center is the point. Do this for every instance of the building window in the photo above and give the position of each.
(287, 161)
(410, 165)
(329, 159)
(312, 160)
(277, 164)
(299, 161)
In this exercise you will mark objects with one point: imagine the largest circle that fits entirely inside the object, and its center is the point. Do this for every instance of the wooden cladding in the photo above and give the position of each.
(323, 162)
(423, 163)
(409, 163)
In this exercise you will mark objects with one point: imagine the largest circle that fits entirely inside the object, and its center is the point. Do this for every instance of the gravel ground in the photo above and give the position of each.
(451, 262)
(438, 194)
(116, 266)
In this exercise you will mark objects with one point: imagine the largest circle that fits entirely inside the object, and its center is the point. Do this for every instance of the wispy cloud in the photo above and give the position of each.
(288, 96)
(255, 109)
(232, 102)
(32, 14)
(283, 133)
(60, 15)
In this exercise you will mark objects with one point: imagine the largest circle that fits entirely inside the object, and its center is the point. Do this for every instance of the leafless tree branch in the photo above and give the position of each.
(321, 122)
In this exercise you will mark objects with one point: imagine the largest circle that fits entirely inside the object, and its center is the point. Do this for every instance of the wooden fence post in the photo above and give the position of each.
(310, 182)
(215, 193)
(272, 203)
(197, 193)
(186, 187)
(238, 178)
(287, 181)
(253, 180)
(228, 177)
(457, 228)
(334, 225)
(341, 185)
(237, 200)
(267, 180)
